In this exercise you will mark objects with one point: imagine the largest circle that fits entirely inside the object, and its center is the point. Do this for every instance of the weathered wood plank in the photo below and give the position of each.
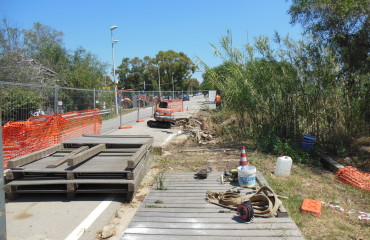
(154, 203)
(120, 150)
(225, 220)
(178, 201)
(172, 198)
(216, 232)
(137, 171)
(116, 136)
(186, 215)
(225, 226)
(142, 168)
(158, 208)
(185, 191)
(168, 193)
(139, 154)
(195, 186)
(10, 175)
(103, 164)
(181, 212)
(130, 142)
(282, 212)
(85, 155)
(145, 168)
(133, 236)
(65, 158)
(115, 154)
(23, 160)
(75, 181)
(331, 164)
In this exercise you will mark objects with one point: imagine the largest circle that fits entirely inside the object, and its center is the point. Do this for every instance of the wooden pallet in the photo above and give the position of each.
(89, 164)
(181, 212)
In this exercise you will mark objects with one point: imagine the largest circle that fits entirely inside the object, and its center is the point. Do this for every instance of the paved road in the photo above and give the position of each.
(129, 119)
(53, 217)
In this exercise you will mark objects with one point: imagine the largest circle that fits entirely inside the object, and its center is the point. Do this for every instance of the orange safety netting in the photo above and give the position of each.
(21, 138)
(175, 104)
(352, 176)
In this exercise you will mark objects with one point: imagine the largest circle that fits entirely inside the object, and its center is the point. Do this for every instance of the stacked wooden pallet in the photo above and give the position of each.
(88, 164)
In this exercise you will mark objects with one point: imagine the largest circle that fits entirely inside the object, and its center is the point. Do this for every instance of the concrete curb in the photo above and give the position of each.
(331, 164)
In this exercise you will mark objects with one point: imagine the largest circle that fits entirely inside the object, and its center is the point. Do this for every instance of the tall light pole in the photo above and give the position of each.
(159, 79)
(173, 87)
(114, 69)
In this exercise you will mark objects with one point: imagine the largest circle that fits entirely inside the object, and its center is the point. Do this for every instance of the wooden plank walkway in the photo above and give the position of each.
(181, 212)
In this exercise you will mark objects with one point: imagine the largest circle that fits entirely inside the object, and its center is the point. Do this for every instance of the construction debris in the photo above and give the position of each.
(197, 128)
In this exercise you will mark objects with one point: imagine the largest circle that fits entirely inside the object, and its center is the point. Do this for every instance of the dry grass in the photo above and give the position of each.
(304, 182)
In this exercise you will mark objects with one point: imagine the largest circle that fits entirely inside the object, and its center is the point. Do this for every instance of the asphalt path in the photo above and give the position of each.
(130, 116)
(53, 217)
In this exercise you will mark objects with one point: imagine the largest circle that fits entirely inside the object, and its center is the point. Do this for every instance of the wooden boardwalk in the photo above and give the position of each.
(181, 212)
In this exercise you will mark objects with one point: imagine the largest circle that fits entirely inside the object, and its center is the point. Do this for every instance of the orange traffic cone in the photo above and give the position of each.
(243, 157)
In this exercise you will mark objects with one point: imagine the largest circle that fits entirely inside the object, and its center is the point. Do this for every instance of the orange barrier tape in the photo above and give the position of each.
(21, 138)
(352, 176)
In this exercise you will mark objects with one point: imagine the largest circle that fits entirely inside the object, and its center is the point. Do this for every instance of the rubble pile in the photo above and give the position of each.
(199, 129)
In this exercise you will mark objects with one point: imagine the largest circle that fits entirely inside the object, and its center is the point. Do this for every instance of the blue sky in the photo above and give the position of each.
(148, 26)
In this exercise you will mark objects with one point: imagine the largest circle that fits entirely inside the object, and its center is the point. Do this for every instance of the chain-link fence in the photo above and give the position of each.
(20, 101)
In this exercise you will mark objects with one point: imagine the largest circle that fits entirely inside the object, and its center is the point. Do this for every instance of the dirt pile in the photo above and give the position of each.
(358, 155)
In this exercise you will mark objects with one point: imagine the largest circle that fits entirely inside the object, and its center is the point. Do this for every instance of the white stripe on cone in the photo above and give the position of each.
(243, 157)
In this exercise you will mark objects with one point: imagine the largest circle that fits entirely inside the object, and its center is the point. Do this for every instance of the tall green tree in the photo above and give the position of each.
(191, 84)
(171, 67)
(175, 68)
(22, 63)
(85, 70)
(38, 56)
(221, 71)
(343, 25)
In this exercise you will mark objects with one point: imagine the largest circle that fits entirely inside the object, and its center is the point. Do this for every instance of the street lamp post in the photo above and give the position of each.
(114, 69)
(173, 87)
(159, 79)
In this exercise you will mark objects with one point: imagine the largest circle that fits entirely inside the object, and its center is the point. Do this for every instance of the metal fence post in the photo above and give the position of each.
(2, 194)
(94, 99)
(56, 99)
(138, 110)
(120, 116)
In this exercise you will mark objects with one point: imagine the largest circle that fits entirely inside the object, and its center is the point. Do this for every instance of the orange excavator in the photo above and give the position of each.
(142, 100)
(163, 116)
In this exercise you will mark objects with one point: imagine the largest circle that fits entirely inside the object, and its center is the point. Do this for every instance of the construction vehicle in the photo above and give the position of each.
(141, 100)
(163, 116)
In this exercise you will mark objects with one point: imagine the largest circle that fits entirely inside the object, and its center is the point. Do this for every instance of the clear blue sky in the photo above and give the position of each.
(148, 26)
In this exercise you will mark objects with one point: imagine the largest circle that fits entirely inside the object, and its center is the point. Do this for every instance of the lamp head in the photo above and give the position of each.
(113, 27)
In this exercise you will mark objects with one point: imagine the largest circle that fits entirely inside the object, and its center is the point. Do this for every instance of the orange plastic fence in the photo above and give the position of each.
(21, 138)
(175, 104)
(352, 176)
